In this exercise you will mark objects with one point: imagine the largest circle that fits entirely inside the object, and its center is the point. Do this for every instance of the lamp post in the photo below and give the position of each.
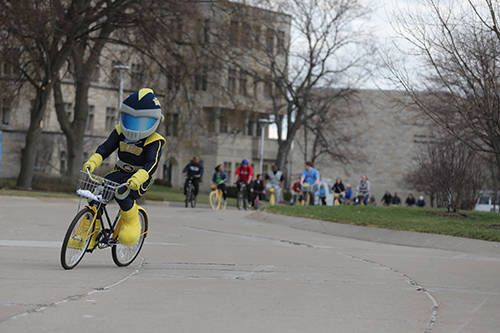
(121, 70)
(263, 123)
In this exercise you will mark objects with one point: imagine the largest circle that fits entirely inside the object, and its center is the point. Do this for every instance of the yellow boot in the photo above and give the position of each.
(77, 241)
(131, 226)
(93, 240)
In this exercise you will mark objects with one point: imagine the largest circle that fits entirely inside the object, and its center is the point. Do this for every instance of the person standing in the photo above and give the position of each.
(275, 179)
(310, 176)
(193, 170)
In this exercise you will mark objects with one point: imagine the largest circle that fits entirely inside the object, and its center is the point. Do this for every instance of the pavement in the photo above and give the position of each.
(202, 270)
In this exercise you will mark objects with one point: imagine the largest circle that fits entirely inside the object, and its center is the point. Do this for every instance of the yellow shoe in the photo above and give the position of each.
(131, 226)
(78, 240)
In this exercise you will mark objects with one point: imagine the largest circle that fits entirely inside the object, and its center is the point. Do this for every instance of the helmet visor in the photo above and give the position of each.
(137, 123)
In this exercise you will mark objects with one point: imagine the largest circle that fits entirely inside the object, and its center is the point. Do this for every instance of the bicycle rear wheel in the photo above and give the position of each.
(124, 255)
(77, 238)
(214, 202)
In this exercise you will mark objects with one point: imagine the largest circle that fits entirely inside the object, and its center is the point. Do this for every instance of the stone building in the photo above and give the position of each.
(388, 134)
(212, 109)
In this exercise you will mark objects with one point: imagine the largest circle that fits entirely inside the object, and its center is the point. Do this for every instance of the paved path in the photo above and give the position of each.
(230, 271)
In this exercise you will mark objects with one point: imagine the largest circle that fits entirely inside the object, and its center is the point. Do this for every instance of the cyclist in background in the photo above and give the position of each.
(193, 169)
(296, 192)
(220, 179)
(311, 176)
(244, 174)
(139, 150)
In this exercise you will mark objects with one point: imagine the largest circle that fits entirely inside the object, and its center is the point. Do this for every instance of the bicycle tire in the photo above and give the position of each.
(307, 199)
(213, 199)
(239, 200)
(71, 255)
(124, 255)
(193, 201)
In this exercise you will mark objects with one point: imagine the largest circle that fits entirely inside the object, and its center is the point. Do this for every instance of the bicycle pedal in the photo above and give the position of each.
(113, 241)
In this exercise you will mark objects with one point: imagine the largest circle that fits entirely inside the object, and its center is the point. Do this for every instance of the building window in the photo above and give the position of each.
(234, 33)
(137, 73)
(96, 75)
(5, 108)
(251, 125)
(172, 128)
(200, 80)
(173, 77)
(89, 125)
(268, 89)
(224, 122)
(63, 162)
(257, 43)
(229, 171)
(110, 118)
(231, 82)
(205, 32)
(243, 83)
(270, 41)
(281, 42)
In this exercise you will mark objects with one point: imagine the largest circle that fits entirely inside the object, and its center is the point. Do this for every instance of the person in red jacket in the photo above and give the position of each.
(244, 174)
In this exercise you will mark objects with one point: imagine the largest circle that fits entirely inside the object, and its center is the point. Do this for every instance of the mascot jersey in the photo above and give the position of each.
(143, 154)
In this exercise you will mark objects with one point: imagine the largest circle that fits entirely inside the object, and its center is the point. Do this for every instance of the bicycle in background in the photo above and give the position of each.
(88, 231)
(216, 198)
(190, 198)
(309, 194)
(256, 201)
(241, 197)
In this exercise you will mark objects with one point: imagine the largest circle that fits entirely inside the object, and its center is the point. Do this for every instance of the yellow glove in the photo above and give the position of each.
(93, 162)
(138, 179)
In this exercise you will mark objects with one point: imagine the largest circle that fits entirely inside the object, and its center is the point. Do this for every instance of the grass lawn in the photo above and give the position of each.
(484, 225)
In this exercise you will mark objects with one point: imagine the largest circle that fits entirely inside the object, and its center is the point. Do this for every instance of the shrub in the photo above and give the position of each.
(161, 182)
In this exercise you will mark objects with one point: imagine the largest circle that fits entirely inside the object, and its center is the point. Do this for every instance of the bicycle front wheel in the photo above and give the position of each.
(240, 200)
(213, 199)
(77, 238)
(193, 201)
(124, 255)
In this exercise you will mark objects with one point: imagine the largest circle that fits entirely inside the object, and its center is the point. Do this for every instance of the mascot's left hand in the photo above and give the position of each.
(138, 179)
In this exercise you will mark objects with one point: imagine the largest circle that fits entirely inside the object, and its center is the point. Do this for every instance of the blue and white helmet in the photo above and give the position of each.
(140, 114)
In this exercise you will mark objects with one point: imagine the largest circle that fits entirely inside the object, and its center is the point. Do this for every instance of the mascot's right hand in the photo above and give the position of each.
(93, 162)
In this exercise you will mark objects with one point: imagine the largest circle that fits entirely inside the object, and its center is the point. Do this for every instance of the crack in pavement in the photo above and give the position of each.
(41, 307)
(411, 281)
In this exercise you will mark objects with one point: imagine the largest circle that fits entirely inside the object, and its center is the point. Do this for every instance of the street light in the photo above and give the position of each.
(263, 123)
(121, 70)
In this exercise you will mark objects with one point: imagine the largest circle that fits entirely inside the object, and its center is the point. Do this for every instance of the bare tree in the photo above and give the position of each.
(325, 49)
(456, 46)
(449, 171)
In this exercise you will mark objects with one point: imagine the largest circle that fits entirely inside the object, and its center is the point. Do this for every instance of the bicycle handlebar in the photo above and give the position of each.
(110, 186)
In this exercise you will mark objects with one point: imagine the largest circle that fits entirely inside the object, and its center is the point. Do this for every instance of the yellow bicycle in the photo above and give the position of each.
(307, 189)
(216, 198)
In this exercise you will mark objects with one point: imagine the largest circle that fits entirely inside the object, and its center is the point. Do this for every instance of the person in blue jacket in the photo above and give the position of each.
(220, 179)
(322, 194)
(139, 151)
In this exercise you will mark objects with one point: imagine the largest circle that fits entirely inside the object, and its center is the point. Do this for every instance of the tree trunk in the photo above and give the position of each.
(33, 137)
